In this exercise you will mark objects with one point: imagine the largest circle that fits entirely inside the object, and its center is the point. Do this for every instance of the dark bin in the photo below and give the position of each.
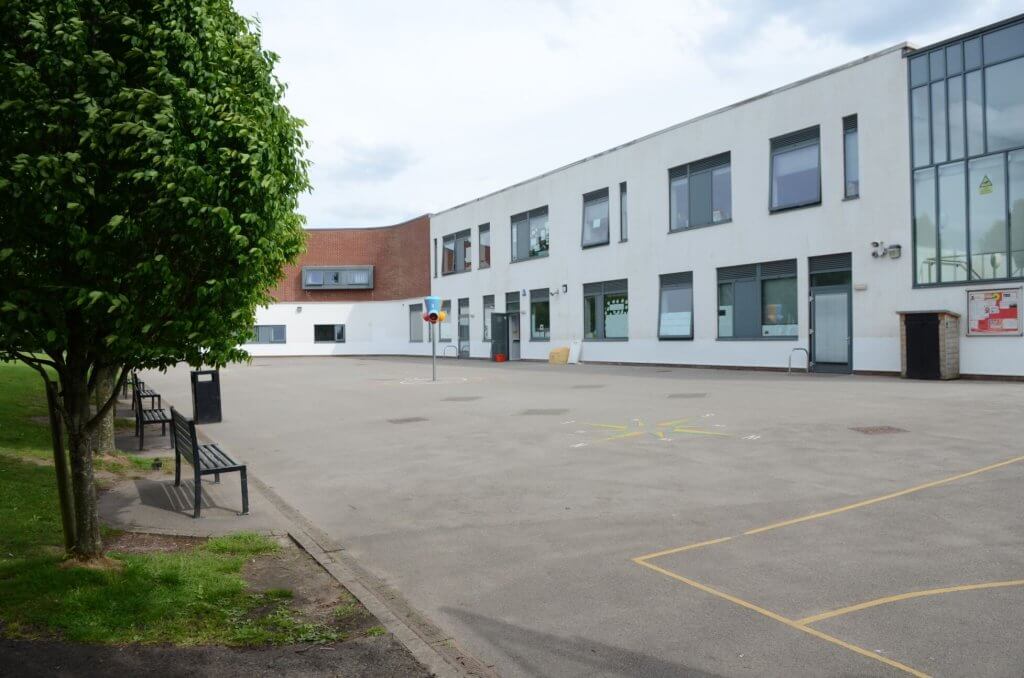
(206, 396)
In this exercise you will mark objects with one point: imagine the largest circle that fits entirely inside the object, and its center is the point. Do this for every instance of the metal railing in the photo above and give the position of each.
(789, 367)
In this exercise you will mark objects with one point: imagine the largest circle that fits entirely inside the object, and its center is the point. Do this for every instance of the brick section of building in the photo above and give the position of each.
(399, 254)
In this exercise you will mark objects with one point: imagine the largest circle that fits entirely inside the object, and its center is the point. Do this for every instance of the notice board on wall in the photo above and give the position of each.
(993, 313)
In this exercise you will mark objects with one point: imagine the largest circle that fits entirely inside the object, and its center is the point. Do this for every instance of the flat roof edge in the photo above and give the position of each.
(811, 78)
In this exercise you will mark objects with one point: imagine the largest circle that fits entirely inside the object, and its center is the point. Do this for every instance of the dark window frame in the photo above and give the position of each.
(456, 239)
(326, 271)
(707, 166)
(528, 217)
(607, 288)
(783, 144)
(850, 127)
(623, 212)
(759, 277)
(481, 229)
(418, 310)
(676, 281)
(486, 332)
(595, 198)
(541, 295)
(255, 339)
(334, 333)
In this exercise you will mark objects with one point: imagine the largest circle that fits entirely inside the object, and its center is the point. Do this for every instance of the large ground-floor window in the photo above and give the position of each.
(540, 315)
(758, 301)
(416, 322)
(488, 310)
(606, 310)
(675, 314)
(329, 334)
(268, 334)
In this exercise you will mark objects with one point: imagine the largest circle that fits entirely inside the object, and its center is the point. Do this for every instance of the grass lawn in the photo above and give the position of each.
(189, 597)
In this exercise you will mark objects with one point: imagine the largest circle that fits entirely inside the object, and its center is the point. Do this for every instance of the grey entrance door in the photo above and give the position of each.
(830, 324)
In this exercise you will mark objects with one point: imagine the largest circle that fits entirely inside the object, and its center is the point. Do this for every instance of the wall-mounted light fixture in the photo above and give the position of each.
(565, 288)
(880, 249)
(298, 309)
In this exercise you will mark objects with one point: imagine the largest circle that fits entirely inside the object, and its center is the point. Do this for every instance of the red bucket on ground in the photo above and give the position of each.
(500, 358)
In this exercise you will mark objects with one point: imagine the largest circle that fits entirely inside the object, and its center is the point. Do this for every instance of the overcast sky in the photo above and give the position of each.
(413, 106)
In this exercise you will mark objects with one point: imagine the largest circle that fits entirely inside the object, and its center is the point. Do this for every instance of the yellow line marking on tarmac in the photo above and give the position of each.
(681, 429)
(616, 427)
(908, 596)
(627, 435)
(675, 422)
(885, 497)
(782, 620)
(679, 549)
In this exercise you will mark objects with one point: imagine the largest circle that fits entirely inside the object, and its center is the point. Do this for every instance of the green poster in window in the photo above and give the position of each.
(985, 187)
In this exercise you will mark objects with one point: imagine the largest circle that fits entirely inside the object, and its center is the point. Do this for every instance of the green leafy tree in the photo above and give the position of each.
(149, 178)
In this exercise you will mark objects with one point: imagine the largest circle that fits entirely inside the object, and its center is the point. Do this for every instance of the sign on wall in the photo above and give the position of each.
(993, 313)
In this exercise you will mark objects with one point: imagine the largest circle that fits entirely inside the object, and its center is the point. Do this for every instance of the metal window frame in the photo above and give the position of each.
(981, 68)
(418, 310)
(623, 212)
(256, 336)
(758, 277)
(368, 268)
(464, 235)
(780, 144)
(599, 290)
(334, 333)
(481, 229)
(540, 295)
(486, 318)
(662, 286)
(528, 216)
(709, 165)
(850, 126)
(594, 198)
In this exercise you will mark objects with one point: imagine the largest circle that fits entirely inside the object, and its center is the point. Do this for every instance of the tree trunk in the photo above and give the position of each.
(103, 434)
(79, 411)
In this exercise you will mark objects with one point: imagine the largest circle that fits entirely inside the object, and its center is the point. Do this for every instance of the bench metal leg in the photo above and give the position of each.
(177, 469)
(142, 434)
(245, 493)
(199, 497)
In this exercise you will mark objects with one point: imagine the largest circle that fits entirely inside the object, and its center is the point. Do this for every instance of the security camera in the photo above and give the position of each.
(874, 243)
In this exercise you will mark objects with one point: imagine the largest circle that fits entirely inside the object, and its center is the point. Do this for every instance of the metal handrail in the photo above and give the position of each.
(444, 351)
(789, 368)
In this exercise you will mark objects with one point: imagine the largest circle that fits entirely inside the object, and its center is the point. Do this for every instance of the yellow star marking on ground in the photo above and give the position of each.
(638, 428)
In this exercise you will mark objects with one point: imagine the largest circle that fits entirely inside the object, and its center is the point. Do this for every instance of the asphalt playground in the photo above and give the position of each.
(593, 520)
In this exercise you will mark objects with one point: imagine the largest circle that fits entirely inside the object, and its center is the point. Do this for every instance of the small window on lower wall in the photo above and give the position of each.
(328, 334)
(675, 316)
(268, 334)
(488, 310)
(606, 311)
(540, 315)
(416, 323)
(758, 301)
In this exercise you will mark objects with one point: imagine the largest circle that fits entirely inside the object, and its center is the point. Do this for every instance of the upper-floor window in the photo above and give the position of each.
(700, 193)
(457, 249)
(268, 334)
(967, 146)
(623, 214)
(485, 245)
(337, 277)
(595, 218)
(851, 158)
(530, 234)
(796, 169)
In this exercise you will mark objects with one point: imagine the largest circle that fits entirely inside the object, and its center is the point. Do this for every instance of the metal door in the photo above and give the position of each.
(831, 336)
(499, 334)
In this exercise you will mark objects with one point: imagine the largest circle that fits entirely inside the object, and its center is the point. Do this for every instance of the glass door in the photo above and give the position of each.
(831, 338)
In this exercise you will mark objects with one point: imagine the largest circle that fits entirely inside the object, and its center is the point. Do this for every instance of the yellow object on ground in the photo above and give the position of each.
(559, 356)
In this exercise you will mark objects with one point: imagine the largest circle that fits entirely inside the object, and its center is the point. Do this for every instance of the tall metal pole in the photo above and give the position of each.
(433, 351)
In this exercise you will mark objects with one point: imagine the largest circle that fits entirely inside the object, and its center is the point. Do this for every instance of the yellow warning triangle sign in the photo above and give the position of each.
(986, 186)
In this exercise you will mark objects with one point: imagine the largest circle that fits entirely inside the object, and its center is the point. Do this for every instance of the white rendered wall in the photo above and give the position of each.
(874, 89)
(371, 328)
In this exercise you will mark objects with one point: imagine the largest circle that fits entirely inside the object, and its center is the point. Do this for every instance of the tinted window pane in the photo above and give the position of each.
(954, 59)
(1004, 44)
(590, 317)
(918, 70)
(616, 315)
(952, 223)
(277, 334)
(323, 333)
(778, 308)
(623, 214)
(924, 225)
(1004, 99)
(937, 61)
(919, 121)
(795, 179)
(721, 194)
(538, 234)
(485, 247)
(448, 256)
(540, 320)
(725, 309)
(676, 318)
(595, 222)
(939, 122)
(679, 199)
(521, 239)
(987, 195)
(700, 198)
(955, 99)
(975, 120)
(1016, 160)
(445, 328)
(851, 163)
(972, 53)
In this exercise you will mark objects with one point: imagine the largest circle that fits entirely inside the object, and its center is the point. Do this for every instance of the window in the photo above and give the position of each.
(623, 214)
(445, 327)
(796, 170)
(488, 310)
(606, 311)
(595, 218)
(329, 334)
(416, 322)
(512, 302)
(540, 315)
(457, 249)
(337, 278)
(967, 110)
(758, 301)
(675, 311)
(485, 246)
(268, 334)
(700, 193)
(435, 257)
(530, 234)
(851, 159)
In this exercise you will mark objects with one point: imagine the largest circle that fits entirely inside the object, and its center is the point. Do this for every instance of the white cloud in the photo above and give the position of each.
(413, 107)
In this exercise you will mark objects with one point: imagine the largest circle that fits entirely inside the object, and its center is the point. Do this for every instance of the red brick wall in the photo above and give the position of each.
(399, 254)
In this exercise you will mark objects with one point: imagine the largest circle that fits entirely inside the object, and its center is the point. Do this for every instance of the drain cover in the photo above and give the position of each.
(687, 395)
(406, 420)
(541, 412)
(460, 399)
(877, 430)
